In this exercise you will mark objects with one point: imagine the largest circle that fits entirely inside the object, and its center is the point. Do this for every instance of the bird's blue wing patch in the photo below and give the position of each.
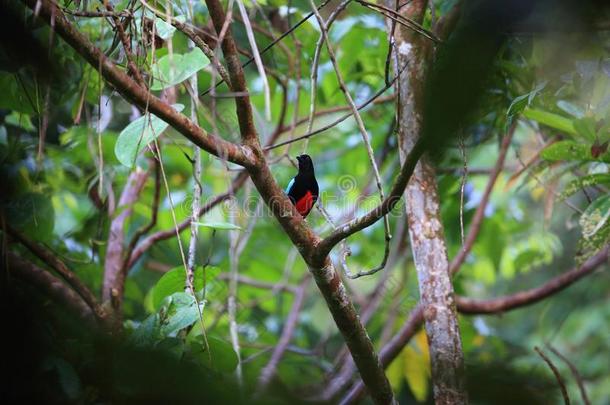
(289, 186)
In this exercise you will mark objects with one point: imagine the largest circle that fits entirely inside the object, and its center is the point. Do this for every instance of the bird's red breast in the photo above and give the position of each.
(305, 203)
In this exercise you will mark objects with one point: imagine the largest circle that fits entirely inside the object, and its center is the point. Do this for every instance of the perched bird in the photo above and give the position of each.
(303, 188)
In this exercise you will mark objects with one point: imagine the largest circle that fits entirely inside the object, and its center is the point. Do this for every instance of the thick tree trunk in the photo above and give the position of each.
(425, 227)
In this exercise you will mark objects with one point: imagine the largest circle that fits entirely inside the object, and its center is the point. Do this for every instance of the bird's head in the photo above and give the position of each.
(305, 164)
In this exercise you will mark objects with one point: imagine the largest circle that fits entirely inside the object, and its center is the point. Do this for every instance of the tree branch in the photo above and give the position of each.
(135, 93)
(378, 212)
(60, 267)
(250, 156)
(114, 276)
(51, 285)
(269, 370)
(492, 306)
(562, 385)
(236, 73)
(524, 298)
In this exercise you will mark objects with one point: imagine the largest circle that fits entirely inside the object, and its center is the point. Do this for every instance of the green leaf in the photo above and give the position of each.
(586, 128)
(139, 133)
(221, 356)
(20, 120)
(520, 103)
(582, 182)
(175, 281)
(550, 120)
(170, 70)
(181, 312)
(147, 333)
(595, 216)
(219, 225)
(164, 30)
(570, 150)
(15, 95)
(171, 282)
(32, 214)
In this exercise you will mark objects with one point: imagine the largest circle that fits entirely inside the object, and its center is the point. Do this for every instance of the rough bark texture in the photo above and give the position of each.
(425, 227)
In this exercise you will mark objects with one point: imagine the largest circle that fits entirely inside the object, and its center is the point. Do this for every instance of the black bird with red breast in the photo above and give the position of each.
(303, 188)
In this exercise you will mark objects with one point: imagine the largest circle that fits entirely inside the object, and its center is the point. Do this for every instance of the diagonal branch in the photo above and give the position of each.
(114, 274)
(51, 285)
(269, 370)
(492, 306)
(381, 210)
(134, 92)
(60, 267)
(524, 298)
(236, 72)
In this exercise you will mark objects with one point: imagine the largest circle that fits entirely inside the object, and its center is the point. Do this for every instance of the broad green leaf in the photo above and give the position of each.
(221, 356)
(521, 102)
(171, 282)
(582, 182)
(139, 133)
(20, 120)
(173, 69)
(175, 281)
(550, 120)
(171, 345)
(395, 374)
(595, 216)
(585, 128)
(164, 30)
(219, 225)
(32, 214)
(14, 95)
(147, 333)
(570, 150)
(182, 311)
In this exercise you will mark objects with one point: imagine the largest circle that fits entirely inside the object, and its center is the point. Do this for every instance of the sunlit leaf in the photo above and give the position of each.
(175, 68)
(175, 281)
(552, 120)
(570, 150)
(221, 356)
(138, 134)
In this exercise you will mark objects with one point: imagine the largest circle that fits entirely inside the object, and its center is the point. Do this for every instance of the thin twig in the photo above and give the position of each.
(477, 219)
(269, 370)
(273, 43)
(562, 386)
(257, 57)
(575, 373)
(339, 120)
